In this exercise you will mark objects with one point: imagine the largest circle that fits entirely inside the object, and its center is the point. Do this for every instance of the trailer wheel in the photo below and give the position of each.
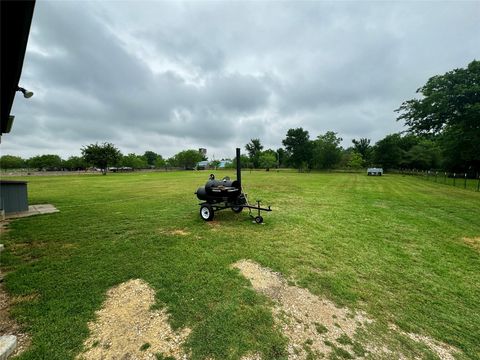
(237, 209)
(206, 212)
(258, 219)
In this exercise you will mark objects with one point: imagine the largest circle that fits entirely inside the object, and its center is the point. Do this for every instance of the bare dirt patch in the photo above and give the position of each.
(8, 326)
(4, 226)
(317, 328)
(214, 225)
(314, 326)
(180, 232)
(473, 242)
(126, 328)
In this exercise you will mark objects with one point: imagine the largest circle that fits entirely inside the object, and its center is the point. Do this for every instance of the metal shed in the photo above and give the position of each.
(13, 196)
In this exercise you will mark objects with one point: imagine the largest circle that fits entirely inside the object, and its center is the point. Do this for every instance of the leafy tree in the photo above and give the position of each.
(215, 163)
(388, 153)
(75, 163)
(45, 162)
(171, 162)
(101, 156)
(355, 161)
(424, 155)
(245, 162)
(282, 157)
(327, 151)
(267, 160)
(11, 162)
(160, 162)
(449, 108)
(254, 149)
(134, 161)
(150, 157)
(188, 158)
(298, 147)
(363, 148)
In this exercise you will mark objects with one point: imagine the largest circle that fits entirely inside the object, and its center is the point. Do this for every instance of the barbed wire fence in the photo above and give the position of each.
(465, 180)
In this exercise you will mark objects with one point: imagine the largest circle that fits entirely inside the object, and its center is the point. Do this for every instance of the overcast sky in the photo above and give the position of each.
(169, 76)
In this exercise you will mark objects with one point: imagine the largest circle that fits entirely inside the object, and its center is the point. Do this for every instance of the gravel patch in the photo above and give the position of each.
(442, 350)
(317, 328)
(126, 328)
(314, 326)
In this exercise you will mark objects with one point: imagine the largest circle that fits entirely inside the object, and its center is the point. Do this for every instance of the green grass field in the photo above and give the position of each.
(392, 246)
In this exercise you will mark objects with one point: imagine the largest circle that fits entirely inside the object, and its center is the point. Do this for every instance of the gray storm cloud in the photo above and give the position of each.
(166, 76)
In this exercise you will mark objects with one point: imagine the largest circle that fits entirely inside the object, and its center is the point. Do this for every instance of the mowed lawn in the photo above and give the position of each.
(395, 247)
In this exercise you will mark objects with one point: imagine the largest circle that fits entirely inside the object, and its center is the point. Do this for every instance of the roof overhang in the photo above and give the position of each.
(16, 18)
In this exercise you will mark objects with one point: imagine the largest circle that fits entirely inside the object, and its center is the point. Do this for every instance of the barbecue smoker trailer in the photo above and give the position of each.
(226, 194)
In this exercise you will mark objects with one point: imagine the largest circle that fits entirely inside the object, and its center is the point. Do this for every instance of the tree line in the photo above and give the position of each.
(103, 156)
(443, 132)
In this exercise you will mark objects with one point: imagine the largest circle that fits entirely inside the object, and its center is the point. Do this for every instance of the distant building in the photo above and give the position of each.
(203, 151)
(224, 163)
(202, 165)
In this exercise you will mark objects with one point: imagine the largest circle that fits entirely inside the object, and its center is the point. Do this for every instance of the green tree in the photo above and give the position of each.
(171, 162)
(388, 153)
(160, 162)
(282, 157)
(254, 149)
(268, 160)
(327, 151)
(188, 158)
(214, 163)
(101, 156)
(134, 161)
(356, 161)
(11, 162)
(75, 163)
(363, 148)
(449, 108)
(298, 147)
(45, 162)
(424, 155)
(150, 157)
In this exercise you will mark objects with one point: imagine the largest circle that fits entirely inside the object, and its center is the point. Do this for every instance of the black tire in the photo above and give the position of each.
(258, 219)
(237, 209)
(206, 212)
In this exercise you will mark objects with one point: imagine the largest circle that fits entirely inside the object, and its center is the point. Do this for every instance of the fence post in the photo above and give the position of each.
(445, 178)
(465, 181)
(454, 176)
(436, 174)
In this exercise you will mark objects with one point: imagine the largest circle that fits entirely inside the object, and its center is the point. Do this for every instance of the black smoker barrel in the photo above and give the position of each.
(239, 170)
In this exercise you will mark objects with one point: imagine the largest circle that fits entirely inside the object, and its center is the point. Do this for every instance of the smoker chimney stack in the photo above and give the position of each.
(239, 169)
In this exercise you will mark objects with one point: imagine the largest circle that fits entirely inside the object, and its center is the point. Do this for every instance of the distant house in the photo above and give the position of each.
(202, 165)
(224, 163)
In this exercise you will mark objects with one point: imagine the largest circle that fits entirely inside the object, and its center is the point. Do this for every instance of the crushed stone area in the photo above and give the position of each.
(126, 328)
(316, 327)
(443, 351)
